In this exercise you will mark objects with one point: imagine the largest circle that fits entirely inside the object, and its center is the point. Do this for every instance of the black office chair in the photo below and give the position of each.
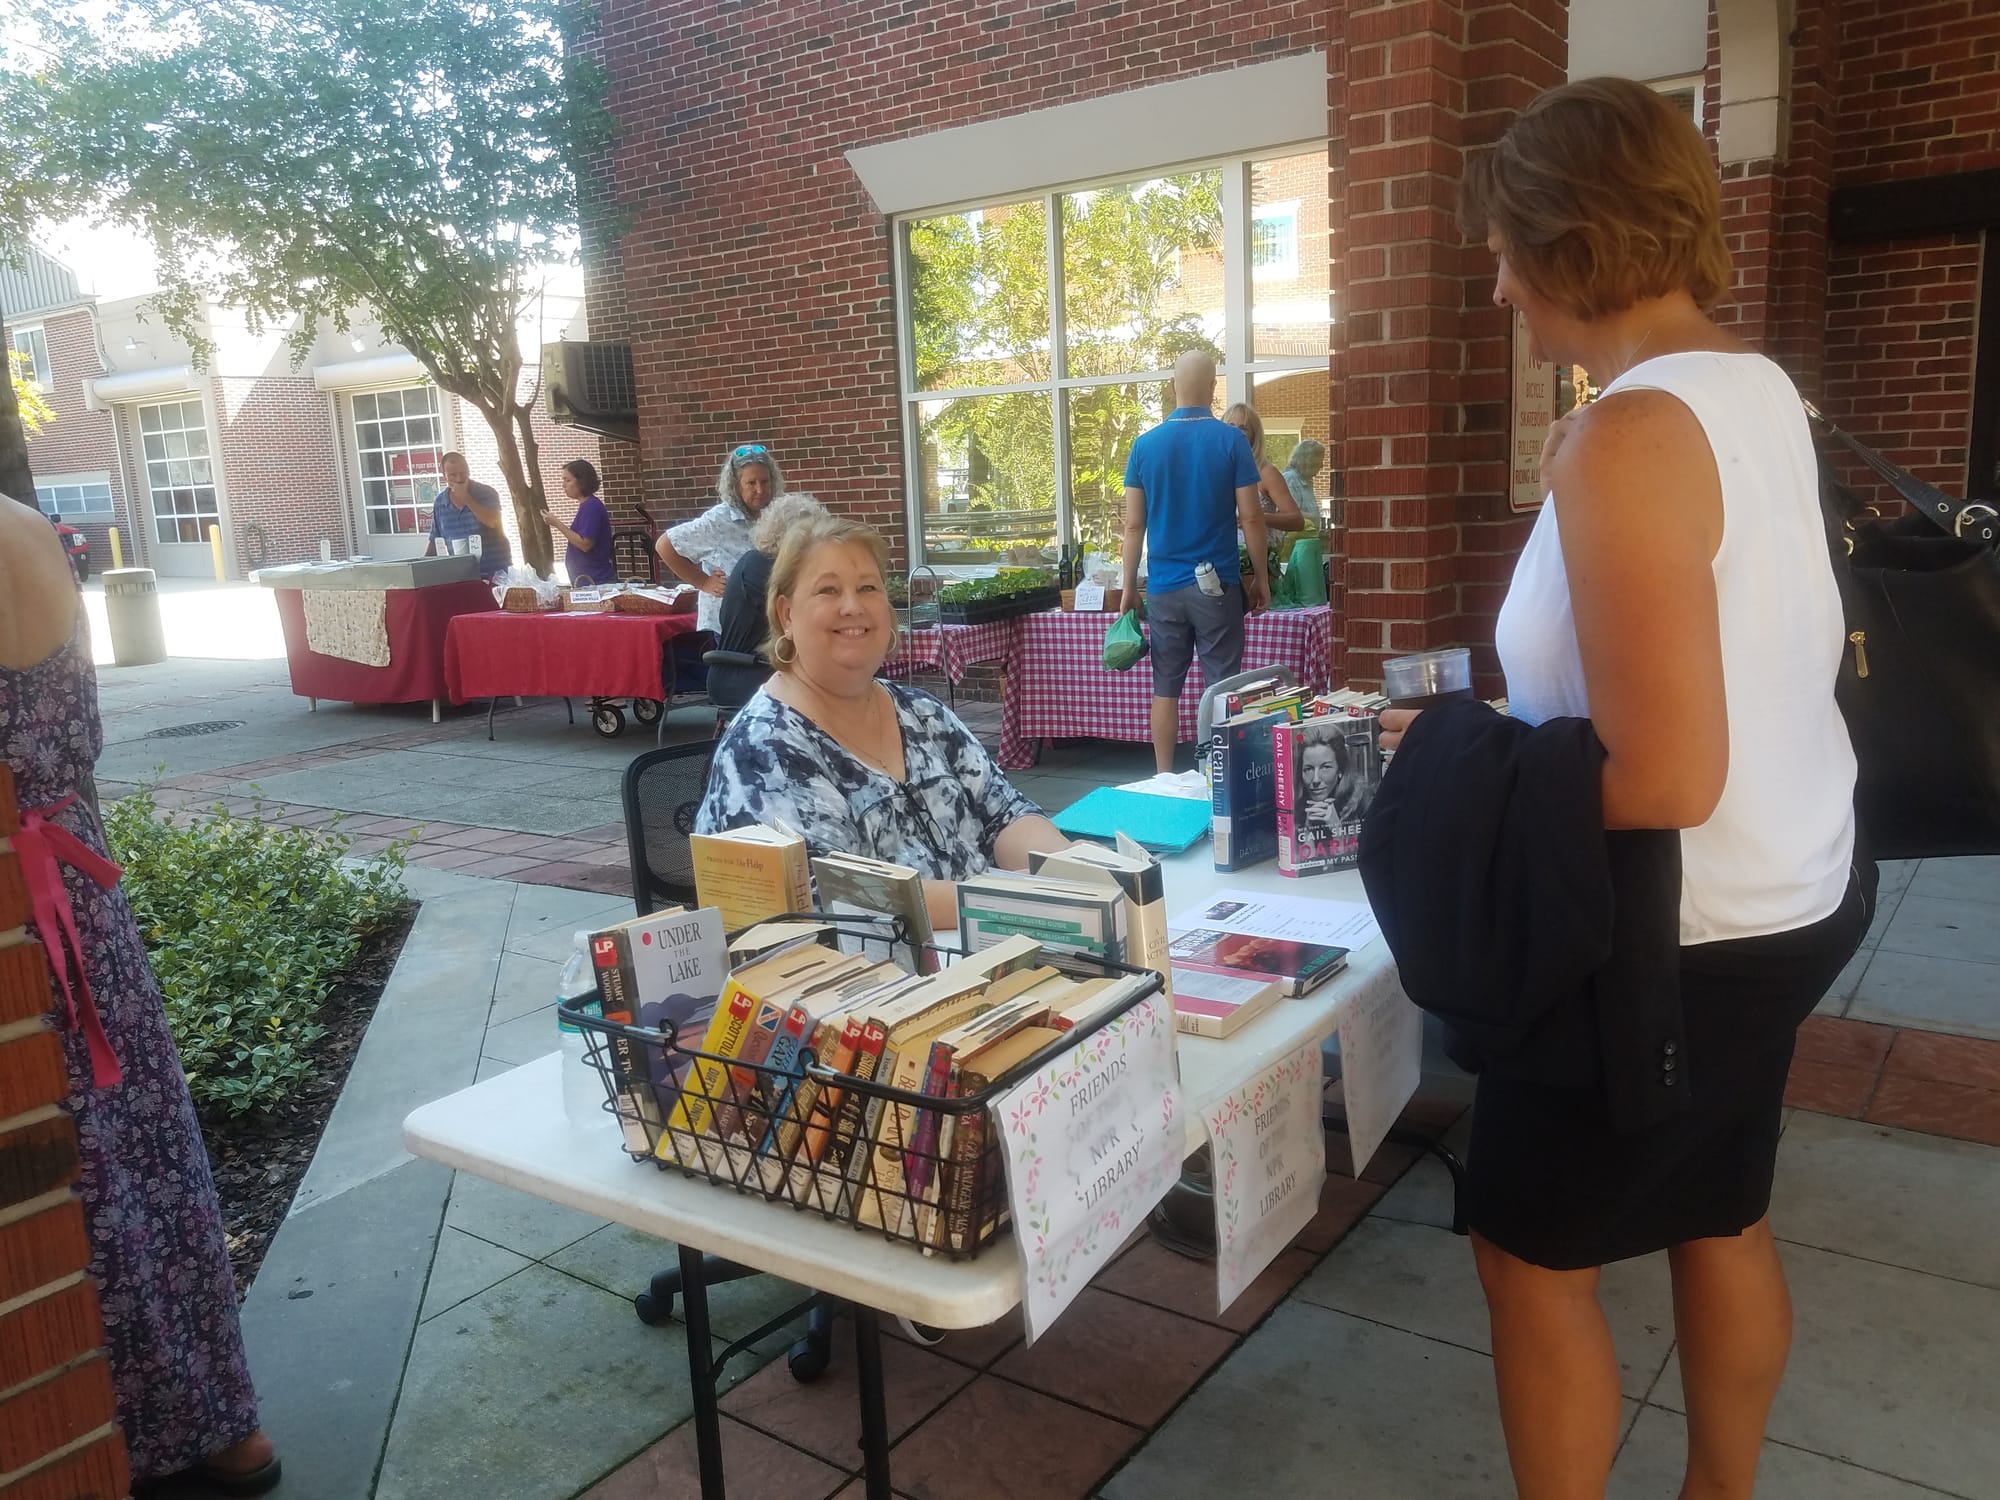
(729, 693)
(661, 794)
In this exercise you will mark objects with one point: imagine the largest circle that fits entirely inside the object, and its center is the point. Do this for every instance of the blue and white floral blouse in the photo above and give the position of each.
(942, 819)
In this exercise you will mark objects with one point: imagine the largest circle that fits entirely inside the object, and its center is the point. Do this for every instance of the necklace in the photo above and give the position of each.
(850, 743)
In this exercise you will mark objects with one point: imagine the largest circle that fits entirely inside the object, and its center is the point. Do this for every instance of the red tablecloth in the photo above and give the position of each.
(417, 620)
(1057, 687)
(571, 654)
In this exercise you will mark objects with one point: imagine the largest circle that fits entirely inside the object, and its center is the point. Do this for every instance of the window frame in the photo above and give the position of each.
(1237, 372)
(42, 371)
(92, 479)
(442, 441)
(1688, 85)
(1286, 269)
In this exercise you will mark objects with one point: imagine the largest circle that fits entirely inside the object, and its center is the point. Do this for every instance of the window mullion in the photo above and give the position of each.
(1236, 279)
(1058, 368)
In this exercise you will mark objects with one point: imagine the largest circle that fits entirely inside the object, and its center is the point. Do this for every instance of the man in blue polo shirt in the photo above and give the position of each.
(1189, 485)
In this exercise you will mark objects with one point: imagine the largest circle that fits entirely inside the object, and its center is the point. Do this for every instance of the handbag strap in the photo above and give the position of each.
(1968, 520)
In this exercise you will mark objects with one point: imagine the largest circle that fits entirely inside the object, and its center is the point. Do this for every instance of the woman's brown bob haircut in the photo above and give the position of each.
(1603, 193)
(806, 537)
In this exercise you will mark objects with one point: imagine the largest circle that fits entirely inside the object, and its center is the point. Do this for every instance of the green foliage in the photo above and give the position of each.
(36, 413)
(1003, 585)
(304, 159)
(249, 925)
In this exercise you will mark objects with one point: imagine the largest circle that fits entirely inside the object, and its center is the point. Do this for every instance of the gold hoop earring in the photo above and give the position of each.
(784, 651)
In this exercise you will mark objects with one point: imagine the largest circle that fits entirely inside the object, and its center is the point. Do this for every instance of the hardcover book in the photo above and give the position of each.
(1244, 806)
(1326, 770)
(1297, 966)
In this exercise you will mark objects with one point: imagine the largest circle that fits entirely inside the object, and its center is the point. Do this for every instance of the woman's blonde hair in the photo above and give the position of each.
(801, 541)
(1253, 426)
(779, 517)
(1603, 193)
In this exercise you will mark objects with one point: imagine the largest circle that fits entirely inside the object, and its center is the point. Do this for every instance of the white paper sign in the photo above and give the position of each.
(1269, 1155)
(1534, 409)
(1089, 596)
(1091, 1141)
(1381, 1060)
(1301, 919)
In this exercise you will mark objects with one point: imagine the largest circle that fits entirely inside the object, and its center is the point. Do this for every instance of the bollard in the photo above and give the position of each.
(117, 551)
(132, 610)
(215, 547)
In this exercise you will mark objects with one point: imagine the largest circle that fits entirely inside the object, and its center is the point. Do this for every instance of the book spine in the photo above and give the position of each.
(870, 1172)
(786, 1061)
(1284, 782)
(639, 1105)
(923, 1169)
(1221, 800)
(846, 1153)
(823, 1110)
(961, 1185)
(704, 1089)
(746, 1089)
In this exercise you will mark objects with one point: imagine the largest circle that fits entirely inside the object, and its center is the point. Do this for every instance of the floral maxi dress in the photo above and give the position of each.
(156, 1241)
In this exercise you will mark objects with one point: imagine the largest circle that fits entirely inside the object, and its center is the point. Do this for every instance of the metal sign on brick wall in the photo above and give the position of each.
(1534, 405)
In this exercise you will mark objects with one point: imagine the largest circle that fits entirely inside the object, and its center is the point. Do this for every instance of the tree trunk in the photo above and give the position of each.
(524, 485)
(16, 479)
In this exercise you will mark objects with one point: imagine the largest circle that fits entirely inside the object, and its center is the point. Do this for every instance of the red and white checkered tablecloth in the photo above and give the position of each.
(1057, 687)
(954, 649)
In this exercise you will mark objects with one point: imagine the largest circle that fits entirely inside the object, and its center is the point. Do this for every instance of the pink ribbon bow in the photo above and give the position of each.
(41, 845)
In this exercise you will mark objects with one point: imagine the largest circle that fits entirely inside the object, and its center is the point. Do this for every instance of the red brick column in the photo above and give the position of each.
(1423, 356)
(58, 1434)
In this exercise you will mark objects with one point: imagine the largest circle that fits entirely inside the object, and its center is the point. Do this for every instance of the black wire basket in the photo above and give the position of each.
(918, 1168)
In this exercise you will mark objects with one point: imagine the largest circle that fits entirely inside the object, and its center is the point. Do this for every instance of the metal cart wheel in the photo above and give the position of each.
(608, 719)
(809, 1358)
(647, 710)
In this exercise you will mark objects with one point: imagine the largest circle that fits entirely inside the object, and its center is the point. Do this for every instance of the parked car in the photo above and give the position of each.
(77, 545)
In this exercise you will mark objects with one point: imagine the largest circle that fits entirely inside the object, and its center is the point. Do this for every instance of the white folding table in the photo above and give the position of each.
(512, 1130)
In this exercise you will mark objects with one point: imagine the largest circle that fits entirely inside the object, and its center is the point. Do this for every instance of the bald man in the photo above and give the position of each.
(1190, 484)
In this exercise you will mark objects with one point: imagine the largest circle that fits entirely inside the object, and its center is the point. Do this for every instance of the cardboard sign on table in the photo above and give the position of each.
(1268, 1153)
(1381, 1062)
(1092, 1141)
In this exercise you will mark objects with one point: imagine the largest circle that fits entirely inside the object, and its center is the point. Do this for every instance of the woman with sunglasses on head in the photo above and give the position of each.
(855, 765)
(702, 551)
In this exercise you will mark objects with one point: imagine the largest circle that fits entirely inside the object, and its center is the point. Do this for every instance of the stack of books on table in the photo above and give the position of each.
(1292, 775)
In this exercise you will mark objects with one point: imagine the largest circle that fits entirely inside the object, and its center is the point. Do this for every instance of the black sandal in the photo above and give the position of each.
(202, 1480)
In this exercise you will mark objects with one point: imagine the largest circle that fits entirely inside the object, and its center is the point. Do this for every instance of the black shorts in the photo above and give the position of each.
(1184, 620)
(1549, 1180)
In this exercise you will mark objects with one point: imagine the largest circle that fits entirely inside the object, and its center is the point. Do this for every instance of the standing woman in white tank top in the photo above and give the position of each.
(1676, 592)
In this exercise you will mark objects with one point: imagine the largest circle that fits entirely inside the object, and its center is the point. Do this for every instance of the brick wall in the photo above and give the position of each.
(279, 469)
(58, 1434)
(754, 274)
(79, 441)
(1424, 356)
(1919, 95)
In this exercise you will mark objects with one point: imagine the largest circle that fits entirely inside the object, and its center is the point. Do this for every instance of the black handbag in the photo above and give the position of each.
(1919, 679)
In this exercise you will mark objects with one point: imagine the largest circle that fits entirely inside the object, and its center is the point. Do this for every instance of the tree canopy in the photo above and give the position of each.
(306, 159)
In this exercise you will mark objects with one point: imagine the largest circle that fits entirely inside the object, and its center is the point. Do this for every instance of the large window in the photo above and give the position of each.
(399, 442)
(1039, 337)
(70, 497)
(33, 347)
(180, 475)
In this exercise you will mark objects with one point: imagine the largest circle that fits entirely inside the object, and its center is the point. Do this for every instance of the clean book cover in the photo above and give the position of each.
(1244, 793)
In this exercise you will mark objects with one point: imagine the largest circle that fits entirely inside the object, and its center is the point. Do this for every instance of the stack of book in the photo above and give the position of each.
(1292, 776)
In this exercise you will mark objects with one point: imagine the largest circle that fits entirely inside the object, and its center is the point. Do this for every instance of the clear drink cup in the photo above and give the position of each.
(1427, 677)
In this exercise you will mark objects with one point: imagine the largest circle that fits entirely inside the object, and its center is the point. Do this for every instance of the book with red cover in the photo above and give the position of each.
(1297, 967)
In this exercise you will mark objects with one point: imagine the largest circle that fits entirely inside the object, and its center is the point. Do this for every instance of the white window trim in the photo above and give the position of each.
(1237, 367)
(91, 478)
(1288, 268)
(350, 447)
(1687, 83)
(41, 368)
(149, 529)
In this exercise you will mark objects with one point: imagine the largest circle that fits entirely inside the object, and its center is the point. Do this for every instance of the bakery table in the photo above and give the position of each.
(416, 620)
(566, 654)
(1057, 687)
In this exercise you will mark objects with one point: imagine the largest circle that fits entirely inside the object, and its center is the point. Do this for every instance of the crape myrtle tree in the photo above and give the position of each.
(307, 159)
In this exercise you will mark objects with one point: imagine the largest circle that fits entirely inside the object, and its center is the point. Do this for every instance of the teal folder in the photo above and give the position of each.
(1163, 824)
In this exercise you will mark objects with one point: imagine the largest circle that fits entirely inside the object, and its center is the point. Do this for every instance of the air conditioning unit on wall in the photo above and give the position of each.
(590, 385)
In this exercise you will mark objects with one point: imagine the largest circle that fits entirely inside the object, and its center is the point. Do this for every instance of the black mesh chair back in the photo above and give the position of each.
(663, 790)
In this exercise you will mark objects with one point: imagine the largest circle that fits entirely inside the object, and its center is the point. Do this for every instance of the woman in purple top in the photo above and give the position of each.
(588, 556)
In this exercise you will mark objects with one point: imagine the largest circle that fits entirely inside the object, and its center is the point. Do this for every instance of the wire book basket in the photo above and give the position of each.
(918, 1168)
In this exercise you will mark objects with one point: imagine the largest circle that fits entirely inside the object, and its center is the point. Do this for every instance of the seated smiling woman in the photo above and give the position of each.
(855, 765)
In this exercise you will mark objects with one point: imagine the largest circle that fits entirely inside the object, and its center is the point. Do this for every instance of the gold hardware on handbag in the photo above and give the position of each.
(1860, 639)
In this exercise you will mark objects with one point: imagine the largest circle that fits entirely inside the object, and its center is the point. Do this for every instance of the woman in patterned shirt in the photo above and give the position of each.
(856, 765)
(702, 551)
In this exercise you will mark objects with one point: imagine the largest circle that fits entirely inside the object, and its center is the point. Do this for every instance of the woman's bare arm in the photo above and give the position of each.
(1639, 505)
(1284, 514)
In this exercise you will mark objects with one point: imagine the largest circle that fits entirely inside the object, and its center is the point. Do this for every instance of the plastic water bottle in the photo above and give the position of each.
(1205, 577)
(582, 1088)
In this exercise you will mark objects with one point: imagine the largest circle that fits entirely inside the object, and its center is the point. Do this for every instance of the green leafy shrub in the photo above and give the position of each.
(249, 925)
(1004, 585)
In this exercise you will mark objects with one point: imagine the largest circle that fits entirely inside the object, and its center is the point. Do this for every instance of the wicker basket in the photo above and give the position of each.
(632, 602)
(526, 601)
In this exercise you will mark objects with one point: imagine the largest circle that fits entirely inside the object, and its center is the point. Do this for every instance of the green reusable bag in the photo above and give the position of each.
(1304, 583)
(1124, 643)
